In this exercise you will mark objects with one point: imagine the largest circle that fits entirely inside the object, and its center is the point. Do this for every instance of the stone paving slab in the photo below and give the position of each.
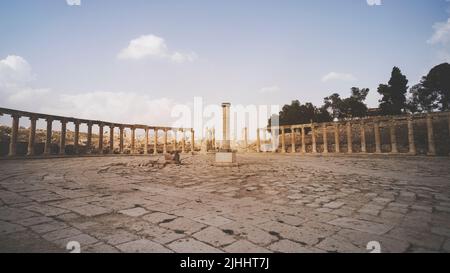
(269, 203)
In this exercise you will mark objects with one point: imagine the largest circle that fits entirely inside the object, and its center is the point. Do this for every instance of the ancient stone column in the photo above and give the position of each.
(48, 137)
(165, 141)
(293, 139)
(214, 138)
(146, 140)
(183, 141)
(376, 129)
(336, 139)
(246, 139)
(192, 141)
(411, 141)
(133, 140)
(89, 136)
(349, 138)
(226, 126)
(62, 139)
(32, 136)
(76, 139)
(283, 141)
(111, 139)
(100, 138)
(175, 138)
(155, 140)
(325, 138)
(303, 140)
(258, 141)
(393, 137)
(363, 137)
(430, 134)
(121, 128)
(273, 139)
(313, 136)
(14, 135)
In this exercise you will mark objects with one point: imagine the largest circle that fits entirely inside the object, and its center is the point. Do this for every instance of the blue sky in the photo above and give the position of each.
(81, 59)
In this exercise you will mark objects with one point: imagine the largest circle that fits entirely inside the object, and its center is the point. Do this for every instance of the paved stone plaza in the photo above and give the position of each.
(270, 203)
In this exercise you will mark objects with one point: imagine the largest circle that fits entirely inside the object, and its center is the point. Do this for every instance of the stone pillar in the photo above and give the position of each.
(100, 138)
(258, 141)
(337, 138)
(283, 141)
(121, 128)
(133, 140)
(273, 140)
(303, 140)
(32, 136)
(192, 141)
(183, 141)
(111, 139)
(76, 139)
(62, 139)
(165, 141)
(349, 138)
(293, 139)
(246, 139)
(146, 140)
(376, 129)
(411, 141)
(430, 134)
(89, 136)
(313, 136)
(14, 135)
(48, 137)
(325, 138)
(214, 138)
(363, 137)
(155, 141)
(226, 126)
(175, 138)
(393, 137)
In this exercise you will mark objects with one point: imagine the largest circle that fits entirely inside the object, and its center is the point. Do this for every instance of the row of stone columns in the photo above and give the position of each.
(63, 132)
(349, 135)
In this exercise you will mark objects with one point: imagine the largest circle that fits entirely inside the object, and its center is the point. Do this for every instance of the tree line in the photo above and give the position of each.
(431, 94)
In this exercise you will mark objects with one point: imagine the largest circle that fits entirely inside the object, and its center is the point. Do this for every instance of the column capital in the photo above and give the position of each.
(63, 121)
(112, 126)
(33, 118)
(77, 122)
(16, 115)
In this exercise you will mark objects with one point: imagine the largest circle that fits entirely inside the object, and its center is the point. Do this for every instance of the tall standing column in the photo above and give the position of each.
(274, 140)
(175, 139)
(430, 134)
(121, 128)
(303, 140)
(293, 139)
(111, 139)
(62, 139)
(155, 140)
(48, 137)
(258, 141)
(165, 141)
(133, 140)
(14, 135)
(89, 136)
(349, 138)
(100, 138)
(393, 137)
(337, 146)
(411, 141)
(183, 141)
(313, 136)
(363, 137)
(226, 126)
(192, 141)
(325, 138)
(283, 141)
(146, 140)
(76, 139)
(32, 136)
(246, 139)
(214, 138)
(376, 129)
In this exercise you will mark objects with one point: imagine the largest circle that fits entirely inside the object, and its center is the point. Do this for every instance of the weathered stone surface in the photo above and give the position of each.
(361, 225)
(192, 246)
(143, 246)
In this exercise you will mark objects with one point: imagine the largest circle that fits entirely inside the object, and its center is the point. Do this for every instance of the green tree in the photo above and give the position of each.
(393, 101)
(352, 106)
(297, 113)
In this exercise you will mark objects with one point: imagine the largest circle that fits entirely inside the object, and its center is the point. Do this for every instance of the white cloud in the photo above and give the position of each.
(334, 76)
(73, 2)
(152, 46)
(270, 90)
(121, 107)
(374, 2)
(441, 33)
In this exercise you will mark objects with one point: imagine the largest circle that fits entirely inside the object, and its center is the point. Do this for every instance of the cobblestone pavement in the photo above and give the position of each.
(270, 203)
